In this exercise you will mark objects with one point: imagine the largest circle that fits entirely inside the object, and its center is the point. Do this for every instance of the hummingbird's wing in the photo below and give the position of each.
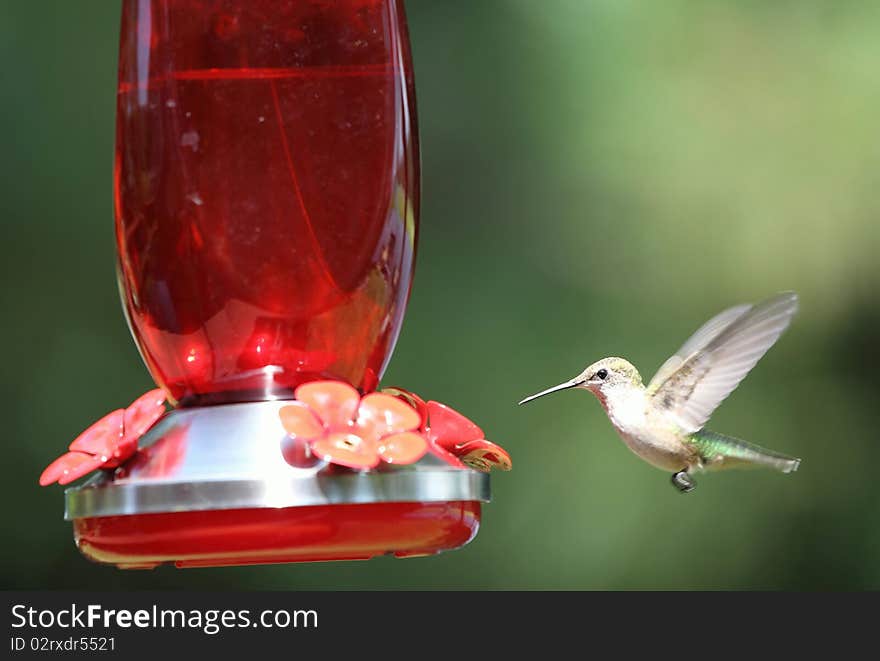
(704, 334)
(719, 357)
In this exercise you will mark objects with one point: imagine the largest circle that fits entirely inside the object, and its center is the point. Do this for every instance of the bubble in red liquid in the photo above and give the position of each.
(267, 191)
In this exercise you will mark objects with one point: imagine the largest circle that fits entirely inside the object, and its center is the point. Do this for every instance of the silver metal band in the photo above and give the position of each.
(109, 499)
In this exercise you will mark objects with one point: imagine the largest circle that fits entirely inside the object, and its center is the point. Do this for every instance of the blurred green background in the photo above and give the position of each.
(599, 177)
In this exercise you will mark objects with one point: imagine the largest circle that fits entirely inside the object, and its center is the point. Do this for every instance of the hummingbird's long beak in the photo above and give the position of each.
(562, 386)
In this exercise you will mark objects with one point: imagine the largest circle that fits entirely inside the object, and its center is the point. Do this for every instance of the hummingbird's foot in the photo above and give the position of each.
(683, 481)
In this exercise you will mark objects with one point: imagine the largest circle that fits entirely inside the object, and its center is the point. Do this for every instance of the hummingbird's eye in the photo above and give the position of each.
(602, 374)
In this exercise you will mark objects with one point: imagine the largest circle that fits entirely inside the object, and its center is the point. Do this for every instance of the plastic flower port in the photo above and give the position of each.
(343, 428)
(454, 437)
(108, 442)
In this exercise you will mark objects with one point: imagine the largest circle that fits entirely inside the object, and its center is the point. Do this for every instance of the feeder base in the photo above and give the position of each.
(215, 538)
(212, 486)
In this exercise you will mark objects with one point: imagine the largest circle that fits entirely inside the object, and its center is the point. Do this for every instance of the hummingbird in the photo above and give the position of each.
(664, 422)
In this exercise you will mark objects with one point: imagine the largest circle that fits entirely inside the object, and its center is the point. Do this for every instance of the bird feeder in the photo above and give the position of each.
(267, 203)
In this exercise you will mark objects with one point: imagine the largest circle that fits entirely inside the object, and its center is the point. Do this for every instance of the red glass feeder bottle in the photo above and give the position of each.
(267, 204)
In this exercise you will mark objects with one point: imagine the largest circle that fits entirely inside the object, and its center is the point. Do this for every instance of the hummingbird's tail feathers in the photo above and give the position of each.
(720, 452)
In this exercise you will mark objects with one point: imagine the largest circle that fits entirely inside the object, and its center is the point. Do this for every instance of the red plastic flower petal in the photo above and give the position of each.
(445, 455)
(405, 448)
(334, 402)
(69, 467)
(483, 456)
(410, 398)
(459, 441)
(143, 413)
(380, 415)
(109, 441)
(448, 428)
(346, 450)
(102, 437)
(299, 421)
